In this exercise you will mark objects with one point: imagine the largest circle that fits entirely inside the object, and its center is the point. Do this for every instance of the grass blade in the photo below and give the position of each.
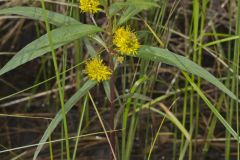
(57, 119)
(213, 109)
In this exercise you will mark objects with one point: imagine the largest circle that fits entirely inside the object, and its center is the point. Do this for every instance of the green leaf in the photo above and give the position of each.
(37, 14)
(129, 13)
(39, 47)
(140, 4)
(131, 8)
(57, 119)
(183, 63)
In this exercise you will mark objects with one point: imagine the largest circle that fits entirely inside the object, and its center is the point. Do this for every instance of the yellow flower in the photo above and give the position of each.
(120, 59)
(126, 41)
(96, 70)
(90, 6)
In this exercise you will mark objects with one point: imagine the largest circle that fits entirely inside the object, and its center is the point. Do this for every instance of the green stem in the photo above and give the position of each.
(236, 62)
(60, 91)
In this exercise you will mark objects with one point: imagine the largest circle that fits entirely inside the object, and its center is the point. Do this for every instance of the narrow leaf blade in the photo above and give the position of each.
(183, 63)
(37, 14)
(40, 46)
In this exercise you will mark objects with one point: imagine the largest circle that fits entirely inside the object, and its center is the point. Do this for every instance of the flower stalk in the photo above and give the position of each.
(112, 80)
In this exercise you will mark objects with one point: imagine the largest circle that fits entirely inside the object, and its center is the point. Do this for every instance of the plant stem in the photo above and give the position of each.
(112, 107)
(58, 80)
(112, 80)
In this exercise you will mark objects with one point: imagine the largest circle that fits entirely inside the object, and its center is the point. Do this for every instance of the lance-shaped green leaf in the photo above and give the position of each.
(40, 46)
(57, 119)
(37, 14)
(183, 63)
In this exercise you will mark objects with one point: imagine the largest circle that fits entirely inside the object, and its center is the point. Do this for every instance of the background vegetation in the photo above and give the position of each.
(177, 98)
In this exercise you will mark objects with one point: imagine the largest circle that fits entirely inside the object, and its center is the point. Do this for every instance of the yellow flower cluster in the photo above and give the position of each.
(96, 70)
(126, 41)
(90, 6)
